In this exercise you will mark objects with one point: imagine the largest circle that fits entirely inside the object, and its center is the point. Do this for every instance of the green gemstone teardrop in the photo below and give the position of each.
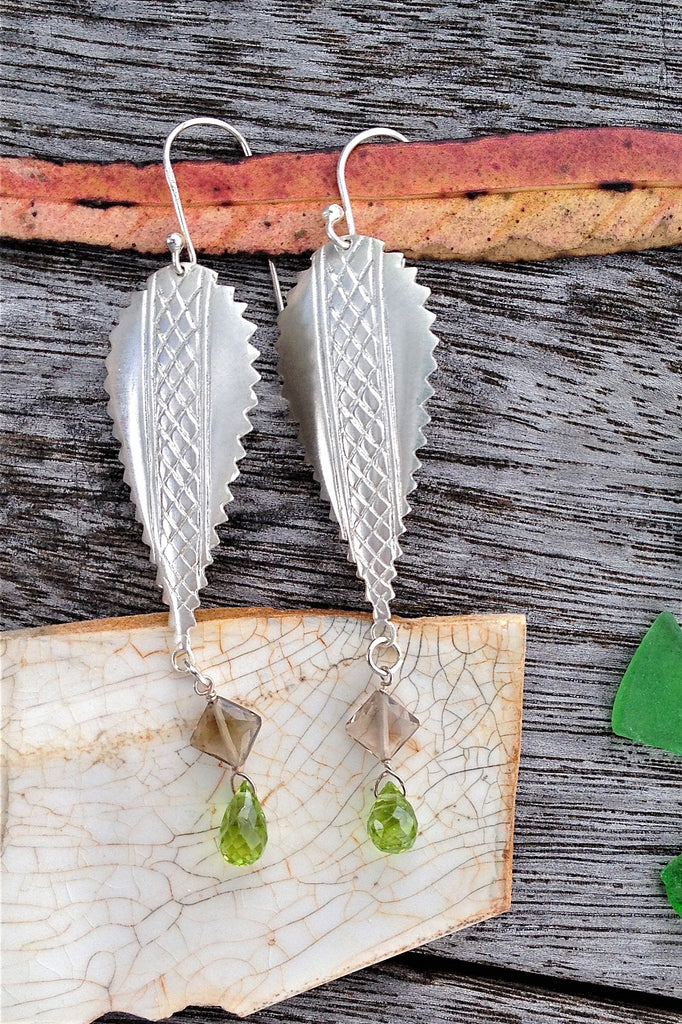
(392, 824)
(243, 831)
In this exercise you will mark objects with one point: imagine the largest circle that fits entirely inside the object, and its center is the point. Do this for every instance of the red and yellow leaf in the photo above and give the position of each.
(532, 196)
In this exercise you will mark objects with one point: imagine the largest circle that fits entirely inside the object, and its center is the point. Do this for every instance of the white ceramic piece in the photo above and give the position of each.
(115, 896)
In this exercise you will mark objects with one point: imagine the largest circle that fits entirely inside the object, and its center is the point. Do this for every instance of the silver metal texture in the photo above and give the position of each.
(388, 773)
(193, 122)
(357, 140)
(385, 669)
(180, 381)
(236, 775)
(182, 661)
(355, 353)
(184, 237)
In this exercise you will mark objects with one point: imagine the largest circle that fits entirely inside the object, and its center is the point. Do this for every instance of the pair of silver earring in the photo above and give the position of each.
(355, 353)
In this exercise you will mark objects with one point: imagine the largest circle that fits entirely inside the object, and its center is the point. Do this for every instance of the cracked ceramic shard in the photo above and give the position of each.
(227, 731)
(355, 354)
(180, 383)
(115, 896)
(382, 725)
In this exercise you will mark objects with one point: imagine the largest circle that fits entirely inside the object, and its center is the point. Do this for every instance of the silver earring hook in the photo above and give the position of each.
(175, 243)
(335, 212)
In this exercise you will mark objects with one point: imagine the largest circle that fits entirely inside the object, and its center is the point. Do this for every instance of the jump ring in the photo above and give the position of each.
(331, 215)
(384, 642)
(203, 685)
(182, 660)
(184, 653)
(388, 630)
(176, 244)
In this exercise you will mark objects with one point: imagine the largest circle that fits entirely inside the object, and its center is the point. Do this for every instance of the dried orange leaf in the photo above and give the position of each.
(571, 192)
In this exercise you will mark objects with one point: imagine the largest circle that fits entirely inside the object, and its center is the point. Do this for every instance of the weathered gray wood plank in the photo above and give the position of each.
(399, 994)
(551, 481)
(105, 81)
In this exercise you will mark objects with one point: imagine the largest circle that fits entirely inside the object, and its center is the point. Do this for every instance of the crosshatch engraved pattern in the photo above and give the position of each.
(175, 346)
(361, 403)
(355, 355)
(180, 352)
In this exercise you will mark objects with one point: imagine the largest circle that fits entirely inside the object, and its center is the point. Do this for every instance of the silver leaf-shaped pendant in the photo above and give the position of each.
(355, 352)
(180, 381)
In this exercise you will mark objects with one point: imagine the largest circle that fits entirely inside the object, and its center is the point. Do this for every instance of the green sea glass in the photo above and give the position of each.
(672, 880)
(648, 705)
(243, 832)
(392, 824)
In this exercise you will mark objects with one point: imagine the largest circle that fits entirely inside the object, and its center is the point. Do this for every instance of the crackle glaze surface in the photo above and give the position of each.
(115, 895)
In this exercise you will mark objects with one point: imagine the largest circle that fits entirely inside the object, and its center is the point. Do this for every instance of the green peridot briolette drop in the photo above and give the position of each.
(392, 824)
(243, 831)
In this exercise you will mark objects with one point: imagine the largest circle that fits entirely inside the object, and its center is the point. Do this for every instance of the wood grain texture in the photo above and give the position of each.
(415, 991)
(551, 480)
